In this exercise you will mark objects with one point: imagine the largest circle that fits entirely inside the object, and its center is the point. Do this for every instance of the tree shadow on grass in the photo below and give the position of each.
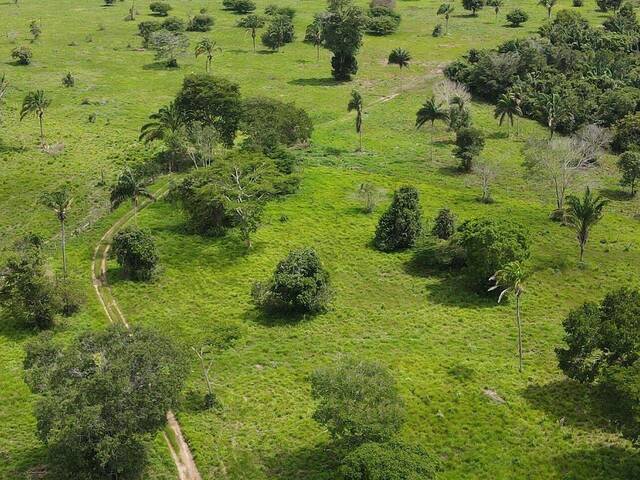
(159, 66)
(618, 195)
(314, 82)
(451, 171)
(311, 463)
(14, 330)
(602, 463)
(275, 318)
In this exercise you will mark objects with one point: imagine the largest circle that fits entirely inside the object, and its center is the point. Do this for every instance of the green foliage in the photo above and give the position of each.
(279, 32)
(489, 245)
(275, 10)
(342, 31)
(200, 23)
(68, 80)
(357, 402)
(174, 24)
(168, 46)
(22, 55)
(161, 9)
(444, 224)
(388, 461)
(300, 283)
(438, 30)
(583, 213)
(102, 397)
(240, 6)
(382, 21)
(626, 133)
(400, 57)
(578, 3)
(145, 29)
(606, 5)
(211, 100)
(473, 6)
(517, 17)
(470, 143)
(400, 226)
(629, 166)
(136, 253)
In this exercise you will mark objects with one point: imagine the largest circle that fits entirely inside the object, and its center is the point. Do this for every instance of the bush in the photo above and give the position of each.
(358, 402)
(606, 5)
(68, 80)
(444, 224)
(174, 24)
(22, 55)
(626, 134)
(433, 253)
(400, 226)
(488, 246)
(388, 461)
(517, 17)
(470, 143)
(300, 283)
(136, 253)
(617, 104)
(438, 30)
(145, 29)
(473, 5)
(629, 166)
(382, 21)
(243, 6)
(278, 33)
(161, 9)
(578, 3)
(275, 10)
(200, 23)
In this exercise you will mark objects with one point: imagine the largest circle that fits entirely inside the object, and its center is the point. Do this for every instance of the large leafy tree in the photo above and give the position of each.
(583, 213)
(102, 397)
(431, 111)
(252, 23)
(342, 31)
(510, 281)
(60, 202)
(356, 105)
(208, 48)
(36, 103)
(400, 226)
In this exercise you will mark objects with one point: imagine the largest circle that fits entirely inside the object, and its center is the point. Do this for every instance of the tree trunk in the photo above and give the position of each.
(581, 252)
(253, 37)
(519, 331)
(433, 127)
(41, 129)
(360, 135)
(64, 249)
(318, 53)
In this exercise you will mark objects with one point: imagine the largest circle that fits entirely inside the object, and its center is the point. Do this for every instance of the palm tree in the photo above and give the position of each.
(584, 213)
(431, 111)
(60, 202)
(548, 4)
(168, 125)
(35, 103)
(356, 104)
(207, 47)
(507, 107)
(315, 35)
(446, 9)
(510, 280)
(400, 57)
(551, 110)
(252, 23)
(496, 4)
(129, 186)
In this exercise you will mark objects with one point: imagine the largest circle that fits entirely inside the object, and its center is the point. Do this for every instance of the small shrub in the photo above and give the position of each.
(243, 6)
(136, 253)
(382, 21)
(200, 23)
(388, 461)
(145, 29)
(161, 9)
(299, 283)
(517, 17)
(174, 24)
(444, 224)
(22, 55)
(68, 80)
(275, 10)
(278, 33)
(578, 3)
(438, 30)
(629, 167)
(401, 224)
(358, 402)
(469, 144)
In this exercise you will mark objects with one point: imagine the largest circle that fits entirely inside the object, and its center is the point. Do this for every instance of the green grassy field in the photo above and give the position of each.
(444, 344)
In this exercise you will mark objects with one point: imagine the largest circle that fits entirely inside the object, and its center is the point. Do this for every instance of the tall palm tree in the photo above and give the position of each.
(507, 107)
(129, 186)
(207, 47)
(510, 280)
(552, 108)
(60, 202)
(35, 103)
(356, 104)
(168, 125)
(400, 57)
(431, 111)
(252, 23)
(446, 9)
(496, 4)
(548, 4)
(315, 35)
(583, 213)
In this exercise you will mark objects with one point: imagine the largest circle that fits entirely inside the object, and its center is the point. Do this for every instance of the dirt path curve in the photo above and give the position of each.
(179, 449)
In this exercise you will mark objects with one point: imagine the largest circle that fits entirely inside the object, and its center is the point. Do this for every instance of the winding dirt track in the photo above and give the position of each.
(179, 449)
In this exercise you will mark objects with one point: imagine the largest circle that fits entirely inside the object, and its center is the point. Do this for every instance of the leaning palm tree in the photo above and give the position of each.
(583, 213)
(129, 186)
(548, 4)
(446, 9)
(400, 57)
(35, 103)
(356, 104)
(60, 202)
(509, 280)
(507, 107)
(431, 111)
(207, 47)
(252, 23)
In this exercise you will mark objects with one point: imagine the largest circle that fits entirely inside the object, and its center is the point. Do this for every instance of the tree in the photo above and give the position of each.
(22, 55)
(315, 33)
(446, 9)
(497, 5)
(431, 111)
(510, 281)
(60, 202)
(626, 133)
(200, 23)
(583, 213)
(552, 110)
(342, 31)
(629, 166)
(129, 186)
(300, 283)
(400, 226)
(400, 57)
(388, 461)
(136, 253)
(356, 104)
(473, 6)
(160, 8)
(486, 171)
(35, 103)
(102, 396)
(278, 33)
(444, 224)
(252, 23)
(357, 401)
(207, 47)
(517, 17)
(469, 144)
(548, 4)
(168, 46)
(507, 107)
(168, 126)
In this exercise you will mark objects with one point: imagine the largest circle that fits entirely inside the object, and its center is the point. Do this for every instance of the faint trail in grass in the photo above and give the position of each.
(180, 452)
